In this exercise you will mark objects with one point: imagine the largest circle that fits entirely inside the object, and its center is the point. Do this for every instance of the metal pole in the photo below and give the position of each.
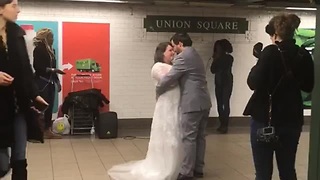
(314, 148)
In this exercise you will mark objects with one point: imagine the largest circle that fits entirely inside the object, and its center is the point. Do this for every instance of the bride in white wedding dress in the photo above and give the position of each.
(165, 153)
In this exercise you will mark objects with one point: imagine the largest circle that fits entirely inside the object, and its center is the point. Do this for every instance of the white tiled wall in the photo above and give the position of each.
(131, 88)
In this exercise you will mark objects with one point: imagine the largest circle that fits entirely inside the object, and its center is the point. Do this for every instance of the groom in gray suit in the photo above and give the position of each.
(188, 70)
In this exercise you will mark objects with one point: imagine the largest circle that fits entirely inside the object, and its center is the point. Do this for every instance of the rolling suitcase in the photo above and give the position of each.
(107, 125)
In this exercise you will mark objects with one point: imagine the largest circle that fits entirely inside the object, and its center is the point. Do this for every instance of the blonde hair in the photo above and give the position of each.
(42, 37)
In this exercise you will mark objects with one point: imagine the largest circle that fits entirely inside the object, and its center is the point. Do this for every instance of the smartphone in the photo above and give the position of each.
(40, 106)
(268, 130)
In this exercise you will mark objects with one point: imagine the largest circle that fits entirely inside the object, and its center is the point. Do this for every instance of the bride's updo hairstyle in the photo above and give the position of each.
(161, 48)
(283, 25)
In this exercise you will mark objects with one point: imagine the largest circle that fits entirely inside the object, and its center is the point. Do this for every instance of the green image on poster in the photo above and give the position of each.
(88, 65)
(306, 38)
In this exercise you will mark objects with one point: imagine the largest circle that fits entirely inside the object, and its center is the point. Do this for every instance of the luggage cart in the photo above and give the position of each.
(81, 121)
(74, 76)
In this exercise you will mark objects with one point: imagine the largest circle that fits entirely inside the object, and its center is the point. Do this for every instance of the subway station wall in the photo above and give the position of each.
(130, 87)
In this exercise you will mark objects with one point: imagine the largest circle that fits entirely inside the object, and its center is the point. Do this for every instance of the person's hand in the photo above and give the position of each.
(41, 100)
(58, 87)
(49, 69)
(59, 71)
(257, 48)
(36, 110)
(5, 79)
(55, 70)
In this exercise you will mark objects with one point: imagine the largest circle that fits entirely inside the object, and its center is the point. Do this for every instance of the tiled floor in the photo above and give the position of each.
(228, 157)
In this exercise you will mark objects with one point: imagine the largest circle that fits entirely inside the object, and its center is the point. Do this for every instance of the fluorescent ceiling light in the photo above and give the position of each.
(170, 2)
(205, 4)
(256, 6)
(301, 8)
(105, 1)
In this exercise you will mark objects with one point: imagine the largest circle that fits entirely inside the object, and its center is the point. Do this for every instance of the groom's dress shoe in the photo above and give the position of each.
(198, 174)
(183, 177)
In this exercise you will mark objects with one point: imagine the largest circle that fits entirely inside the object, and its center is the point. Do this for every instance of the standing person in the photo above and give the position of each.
(44, 63)
(164, 155)
(222, 68)
(17, 91)
(189, 72)
(276, 107)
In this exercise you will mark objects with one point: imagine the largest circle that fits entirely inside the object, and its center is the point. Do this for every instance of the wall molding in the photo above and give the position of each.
(145, 123)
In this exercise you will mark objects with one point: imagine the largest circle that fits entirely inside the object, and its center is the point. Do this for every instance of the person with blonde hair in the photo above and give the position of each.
(44, 63)
(18, 93)
(276, 107)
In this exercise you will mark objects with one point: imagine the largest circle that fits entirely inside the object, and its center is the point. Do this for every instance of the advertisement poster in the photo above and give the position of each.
(306, 38)
(31, 27)
(86, 53)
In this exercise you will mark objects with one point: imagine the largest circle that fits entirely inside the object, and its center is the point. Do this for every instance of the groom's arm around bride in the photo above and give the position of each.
(177, 70)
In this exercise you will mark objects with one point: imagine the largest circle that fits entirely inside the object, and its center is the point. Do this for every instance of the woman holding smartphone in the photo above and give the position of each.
(44, 63)
(18, 91)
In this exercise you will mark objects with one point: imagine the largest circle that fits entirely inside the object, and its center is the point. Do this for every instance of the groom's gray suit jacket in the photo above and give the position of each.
(189, 71)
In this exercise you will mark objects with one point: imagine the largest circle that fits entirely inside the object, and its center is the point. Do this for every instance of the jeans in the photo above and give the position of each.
(223, 95)
(18, 150)
(285, 152)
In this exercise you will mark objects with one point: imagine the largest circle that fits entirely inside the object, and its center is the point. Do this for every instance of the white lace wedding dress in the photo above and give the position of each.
(165, 153)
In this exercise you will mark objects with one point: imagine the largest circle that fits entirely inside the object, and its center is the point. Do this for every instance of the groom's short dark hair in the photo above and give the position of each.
(5, 2)
(183, 37)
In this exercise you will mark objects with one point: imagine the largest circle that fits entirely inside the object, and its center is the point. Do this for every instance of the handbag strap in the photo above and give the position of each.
(287, 72)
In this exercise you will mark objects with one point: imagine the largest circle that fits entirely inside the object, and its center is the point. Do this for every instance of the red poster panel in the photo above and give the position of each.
(86, 57)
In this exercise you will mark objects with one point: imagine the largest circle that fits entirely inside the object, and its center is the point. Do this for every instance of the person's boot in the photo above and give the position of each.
(48, 134)
(19, 170)
(223, 128)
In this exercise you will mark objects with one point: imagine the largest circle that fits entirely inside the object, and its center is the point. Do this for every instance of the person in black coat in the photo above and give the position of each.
(282, 71)
(44, 63)
(17, 91)
(222, 68)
